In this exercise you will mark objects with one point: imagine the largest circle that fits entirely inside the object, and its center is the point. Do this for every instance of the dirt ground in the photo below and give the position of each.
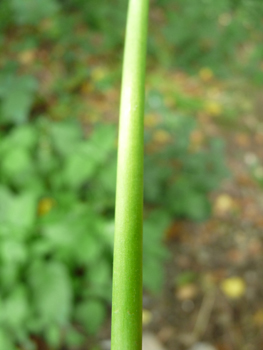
(213, 295)
(214, 291)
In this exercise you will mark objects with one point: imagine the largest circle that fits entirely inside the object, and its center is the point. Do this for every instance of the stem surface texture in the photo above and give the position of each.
(127, 266)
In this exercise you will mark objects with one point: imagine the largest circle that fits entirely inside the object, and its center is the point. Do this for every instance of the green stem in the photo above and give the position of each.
(127, 267)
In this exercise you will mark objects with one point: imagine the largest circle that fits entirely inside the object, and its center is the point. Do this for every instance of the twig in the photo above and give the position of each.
(204, 313)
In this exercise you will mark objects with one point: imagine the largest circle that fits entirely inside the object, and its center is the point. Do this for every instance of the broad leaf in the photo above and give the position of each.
(52, 294)
(65, 136)
(79, 169)
(91, 313)
(16, 308)
(6, 341)
(17, 210)
(12, 251)
(33, 11)
(17, 98)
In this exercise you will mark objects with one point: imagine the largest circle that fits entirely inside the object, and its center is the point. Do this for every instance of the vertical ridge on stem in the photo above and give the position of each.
(127, 267)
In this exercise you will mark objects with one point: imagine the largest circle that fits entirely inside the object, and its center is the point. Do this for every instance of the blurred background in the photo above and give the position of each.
(59, 95)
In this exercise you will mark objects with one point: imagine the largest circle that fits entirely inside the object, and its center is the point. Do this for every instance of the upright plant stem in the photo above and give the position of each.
(127, 267)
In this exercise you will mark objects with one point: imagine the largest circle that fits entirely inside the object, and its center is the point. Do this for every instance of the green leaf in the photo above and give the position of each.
(107, 233)
(82, 164)
(59, 235)
(185, 277)
(5, 16)
(13, 251)
(17, 98)
(65, 136)
(79, 168)
(6, 341)
(17, 166)
(73, 338)
(53, 336)
(24, 137)
(107, 177)
(154, 226)
(102, 142)
(52, 294)
(33, 11)
(153, 281)
(6, 201)
(91, 313)
(9, 276)
(15, 309)
(17, 210)
(197, 206)
(154, 250)
(192, 204)
(40, 248)
(99, 279)
(88, 248)
(100, 273)
(24, 209)
(74, 234)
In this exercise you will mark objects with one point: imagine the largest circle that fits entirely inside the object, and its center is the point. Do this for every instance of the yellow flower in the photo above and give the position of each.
(213, 108)
(233, 287)
(98, 74)
(224, 204)
(161, 136)
(150, 120)
(146, 316)
(45, 205)
(196, 140)
(206, 74)
(27, 57)
(258, 317)
(87, 88)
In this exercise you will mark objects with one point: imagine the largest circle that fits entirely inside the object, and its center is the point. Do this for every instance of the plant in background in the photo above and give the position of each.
(184, 173)
(56, 222)
(127, 263)
(55, 239)
(220, 43)
(57, 187)
(56, 231)
(188, 165)
(56, 216)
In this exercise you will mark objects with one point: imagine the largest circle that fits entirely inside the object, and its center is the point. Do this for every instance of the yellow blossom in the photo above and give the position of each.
(196, 140)
(213, 108)
(87, 88)
(206, 74)
(98, 74)
(27, 57)
(45, 205)
(146, 316)
(150, 120)
(233, 287)
(161, 136)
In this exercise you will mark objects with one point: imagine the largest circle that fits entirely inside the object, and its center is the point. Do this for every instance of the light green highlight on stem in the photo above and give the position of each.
(127, 267)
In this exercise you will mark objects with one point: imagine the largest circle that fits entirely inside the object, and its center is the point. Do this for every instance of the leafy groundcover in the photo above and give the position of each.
(57, 222)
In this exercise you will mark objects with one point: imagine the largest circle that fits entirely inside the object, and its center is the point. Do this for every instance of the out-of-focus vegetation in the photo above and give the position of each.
(57, 205)
(59, 83)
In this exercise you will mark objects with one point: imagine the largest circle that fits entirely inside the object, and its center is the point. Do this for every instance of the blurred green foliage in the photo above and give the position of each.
(179, 175)
(222, 35)
(57, 185)
(57, 221)
(213, 34)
